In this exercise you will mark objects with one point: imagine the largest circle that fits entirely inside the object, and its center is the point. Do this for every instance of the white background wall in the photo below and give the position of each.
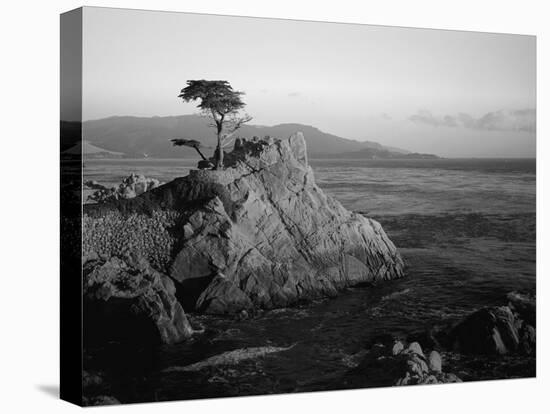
(29, 204)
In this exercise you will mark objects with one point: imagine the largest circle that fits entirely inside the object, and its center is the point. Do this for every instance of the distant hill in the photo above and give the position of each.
(140, 136)
(372, 153)
(91, 151)
(70, 134)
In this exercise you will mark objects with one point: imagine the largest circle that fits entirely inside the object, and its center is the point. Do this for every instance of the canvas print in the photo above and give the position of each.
(265, 206)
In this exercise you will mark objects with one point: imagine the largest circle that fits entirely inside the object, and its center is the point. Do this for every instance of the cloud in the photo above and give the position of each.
(426, 117)
(385, 116)
(523, 120)
(294, 94)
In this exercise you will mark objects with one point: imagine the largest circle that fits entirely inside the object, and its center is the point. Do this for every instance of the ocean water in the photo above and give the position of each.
(465, 228)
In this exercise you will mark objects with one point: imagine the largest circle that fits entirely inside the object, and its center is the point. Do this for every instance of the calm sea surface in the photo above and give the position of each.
(466, 229)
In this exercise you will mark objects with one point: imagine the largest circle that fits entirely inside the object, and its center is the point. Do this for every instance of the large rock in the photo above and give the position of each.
(127, 299)
(495, 330)
(265, 225)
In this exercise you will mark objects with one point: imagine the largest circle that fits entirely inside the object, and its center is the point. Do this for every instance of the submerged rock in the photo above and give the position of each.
(266, 227)
(127, 297)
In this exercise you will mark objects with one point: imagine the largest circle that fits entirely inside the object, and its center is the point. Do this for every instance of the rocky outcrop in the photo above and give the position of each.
(421, 369)
(498, 330)
(123, 294)
(259, 234)
(404, 365)
(131, 187)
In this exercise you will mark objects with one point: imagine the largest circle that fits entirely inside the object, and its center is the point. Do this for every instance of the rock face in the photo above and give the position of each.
(498, 330)
(124, 294)
(261, 233)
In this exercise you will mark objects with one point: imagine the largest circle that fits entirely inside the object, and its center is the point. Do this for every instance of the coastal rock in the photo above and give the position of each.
(415, 348)
(417, 365)
(408, 366)
(435, 378)
(267, 227)
(528, 340)
(495, 330)
(397, 347)
(524, 305)
(434, 362)
(131, 187)
(126, 296)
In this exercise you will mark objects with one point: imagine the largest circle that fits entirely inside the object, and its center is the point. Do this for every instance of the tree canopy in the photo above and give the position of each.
(216, 95)
(221, 103)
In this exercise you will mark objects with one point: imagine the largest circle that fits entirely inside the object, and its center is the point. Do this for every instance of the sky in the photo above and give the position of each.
(452, 93)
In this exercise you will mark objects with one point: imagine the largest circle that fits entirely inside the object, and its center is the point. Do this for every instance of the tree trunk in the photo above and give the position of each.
(219, 154)
(219, 148)
(200, 153)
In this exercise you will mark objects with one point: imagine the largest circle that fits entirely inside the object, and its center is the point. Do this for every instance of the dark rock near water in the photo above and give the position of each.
(528, 340)
(265, 226)
(487, 331)
(498, 330)
(524, 305)
(127, 297)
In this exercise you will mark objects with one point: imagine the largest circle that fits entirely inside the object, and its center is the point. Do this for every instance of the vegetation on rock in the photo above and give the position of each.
(220, 103)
